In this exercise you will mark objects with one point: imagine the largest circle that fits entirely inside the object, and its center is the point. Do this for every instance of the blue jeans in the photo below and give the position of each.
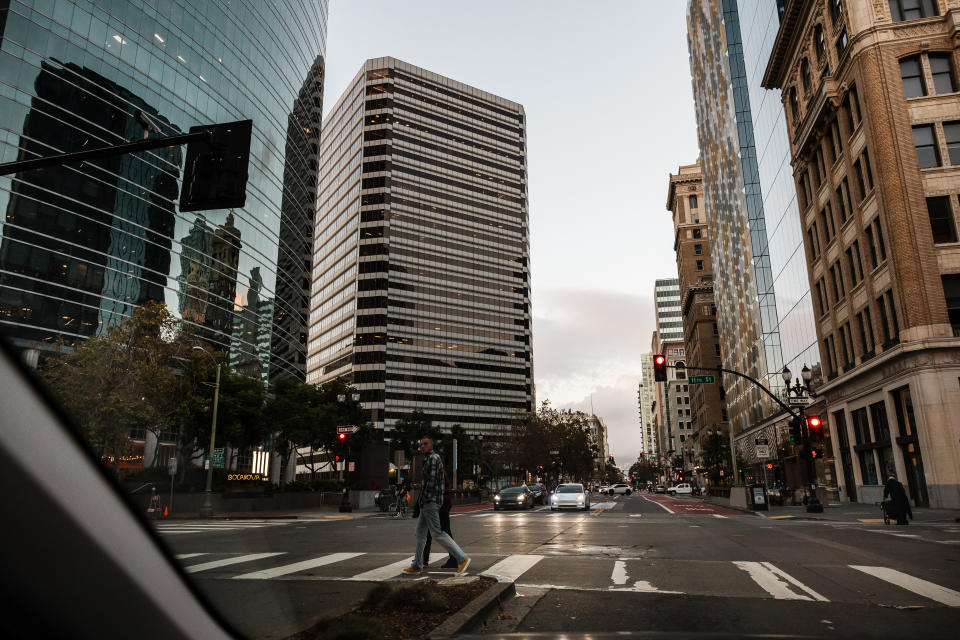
(430, 521)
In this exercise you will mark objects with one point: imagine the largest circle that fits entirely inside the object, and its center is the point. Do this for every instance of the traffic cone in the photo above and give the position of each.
(165, 512)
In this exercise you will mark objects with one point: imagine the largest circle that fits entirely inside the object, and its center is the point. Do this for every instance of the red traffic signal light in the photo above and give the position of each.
(342, 436)
(814, 422)
(659, 368)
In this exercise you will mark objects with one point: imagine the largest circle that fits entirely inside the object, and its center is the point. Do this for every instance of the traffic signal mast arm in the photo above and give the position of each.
(786, 408)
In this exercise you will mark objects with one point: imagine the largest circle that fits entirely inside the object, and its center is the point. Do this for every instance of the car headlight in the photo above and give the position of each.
(520, 499)
(553, 498)
(580, 498)
(496, 498)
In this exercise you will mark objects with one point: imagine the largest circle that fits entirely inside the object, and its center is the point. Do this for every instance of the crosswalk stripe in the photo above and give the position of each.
(774, 581)
(926, 589)
(184, 556)
(297, 566)
(391, 570)
(214, 564)
(511, 568)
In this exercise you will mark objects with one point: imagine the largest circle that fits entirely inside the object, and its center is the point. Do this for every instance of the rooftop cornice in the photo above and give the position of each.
(776, 65)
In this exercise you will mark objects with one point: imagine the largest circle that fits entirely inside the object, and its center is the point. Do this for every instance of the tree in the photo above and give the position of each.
(715, 449)
(408, 430)
(644, 470)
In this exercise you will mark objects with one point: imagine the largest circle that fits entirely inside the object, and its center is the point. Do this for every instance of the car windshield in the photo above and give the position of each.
(570, 488)
(270, 261)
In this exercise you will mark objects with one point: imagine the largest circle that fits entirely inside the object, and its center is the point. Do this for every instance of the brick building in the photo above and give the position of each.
(873, 116)
(700, 332)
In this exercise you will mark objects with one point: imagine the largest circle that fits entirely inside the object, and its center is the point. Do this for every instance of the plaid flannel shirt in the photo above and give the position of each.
(432, 488)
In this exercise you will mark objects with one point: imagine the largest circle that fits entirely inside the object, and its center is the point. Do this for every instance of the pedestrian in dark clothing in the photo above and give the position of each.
(430, 501)
(898, 505)
(451, 562)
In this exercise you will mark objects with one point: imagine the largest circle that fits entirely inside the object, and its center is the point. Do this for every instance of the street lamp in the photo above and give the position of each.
(206, 509)
(804, 391)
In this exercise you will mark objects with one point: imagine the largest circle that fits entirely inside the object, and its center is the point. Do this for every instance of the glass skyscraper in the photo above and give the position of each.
(81, 246)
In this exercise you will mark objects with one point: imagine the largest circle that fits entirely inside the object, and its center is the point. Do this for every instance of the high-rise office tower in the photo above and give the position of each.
(743, 282)
(699, 312)
(645, 397)
(675, 395)
(82, 246)
(873, 125)
(421, 278)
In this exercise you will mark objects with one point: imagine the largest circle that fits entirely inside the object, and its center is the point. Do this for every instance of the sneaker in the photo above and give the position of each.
(412, 571)
(463, 566)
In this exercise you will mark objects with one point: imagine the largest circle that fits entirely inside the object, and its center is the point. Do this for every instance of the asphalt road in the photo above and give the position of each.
(634, 563)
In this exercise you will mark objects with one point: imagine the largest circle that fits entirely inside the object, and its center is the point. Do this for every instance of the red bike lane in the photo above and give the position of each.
(691, 507)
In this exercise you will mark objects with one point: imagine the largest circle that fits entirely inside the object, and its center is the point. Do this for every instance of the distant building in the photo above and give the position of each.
(699, 312)
(421, 277)
(871, 102)
(674, 395)
(598, 433)
(645, 398)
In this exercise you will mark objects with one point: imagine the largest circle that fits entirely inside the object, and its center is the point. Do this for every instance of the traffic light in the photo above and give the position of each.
(215, 172)
(794, 431)
(815, 428)
(659, 368)
(342, 436)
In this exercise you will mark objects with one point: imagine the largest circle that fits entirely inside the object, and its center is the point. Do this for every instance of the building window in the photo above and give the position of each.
(699, 265)
(951, 290)
(941, 68)
(836, 139)
(821, 166)
(830, 356)
(715, 332)
(853, 260)
(836, 10)
(941, 220)
(848, 353)
(867, 170)
(846, 195)
(698, 249)
(820, 299)
(881, 245)
(716, 349)
(813, 241)
(853, 107)
(842, 43)
(794, 105)
(928, 155)
(826, 219)
(911, 72)
(844, 214)
(697, 233)
(819, 42)
(903, 10)
(693, 201)
(836, 277)
(866, 331)
(860, 179)
(805, 75)
(951, 131)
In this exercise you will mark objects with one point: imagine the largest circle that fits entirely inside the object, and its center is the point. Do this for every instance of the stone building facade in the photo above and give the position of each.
(873, 113)
(701, 334)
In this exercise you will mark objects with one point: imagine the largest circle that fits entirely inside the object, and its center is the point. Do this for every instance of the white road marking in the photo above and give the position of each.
(665, 507)
(391, 570)
(484, 515)
(184, 556)
(635, 515)
(926, 589)
(511, 568)
(717, 515)
(619, 575)
(297, 566)
(776, 582)
(214, 564)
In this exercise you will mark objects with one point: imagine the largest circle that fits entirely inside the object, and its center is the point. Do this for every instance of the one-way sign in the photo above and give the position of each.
(350, 428)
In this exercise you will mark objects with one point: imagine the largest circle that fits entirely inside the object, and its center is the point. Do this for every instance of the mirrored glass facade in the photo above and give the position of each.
(744, 289)
(81, 246)
(759, 22)
(421, 278)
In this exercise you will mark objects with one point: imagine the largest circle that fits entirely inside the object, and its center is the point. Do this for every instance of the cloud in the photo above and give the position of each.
(590, 342)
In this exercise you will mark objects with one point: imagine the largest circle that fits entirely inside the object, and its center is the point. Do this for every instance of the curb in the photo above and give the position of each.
(475, 611)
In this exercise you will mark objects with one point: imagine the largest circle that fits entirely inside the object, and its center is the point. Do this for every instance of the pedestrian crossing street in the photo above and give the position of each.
(747, 579)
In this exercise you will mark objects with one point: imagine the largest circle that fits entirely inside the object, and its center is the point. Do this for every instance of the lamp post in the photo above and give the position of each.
(803, 391)
(345, 506)
(206, 509)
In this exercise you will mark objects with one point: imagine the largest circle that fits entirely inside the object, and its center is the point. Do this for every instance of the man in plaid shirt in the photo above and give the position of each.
(430, 501)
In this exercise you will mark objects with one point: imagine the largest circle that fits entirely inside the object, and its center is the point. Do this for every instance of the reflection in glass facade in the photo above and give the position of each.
(760, 21)
(81, 246)
(744, 291)
(421, 278)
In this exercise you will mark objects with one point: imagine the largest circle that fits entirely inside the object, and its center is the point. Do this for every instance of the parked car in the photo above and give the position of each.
(619, 488)
(660, 489)
(539, 493)
(683, 489)
(571, 495)
(519, 497)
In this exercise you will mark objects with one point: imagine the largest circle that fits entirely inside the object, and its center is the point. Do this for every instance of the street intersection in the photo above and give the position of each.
(639, 562)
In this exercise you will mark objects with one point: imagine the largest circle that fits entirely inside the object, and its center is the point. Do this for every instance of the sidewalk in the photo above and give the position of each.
(855, 512)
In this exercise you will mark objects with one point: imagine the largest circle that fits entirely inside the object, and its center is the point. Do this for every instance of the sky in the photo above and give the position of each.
(609, 107)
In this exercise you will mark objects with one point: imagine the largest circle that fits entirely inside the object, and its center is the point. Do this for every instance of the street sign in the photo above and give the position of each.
(218, 462)
(348, 429)
(800, 402)
(763, 451)
(701, 379)
(172, 466)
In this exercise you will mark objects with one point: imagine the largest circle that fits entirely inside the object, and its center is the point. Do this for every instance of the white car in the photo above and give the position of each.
(603, 489)
(683, 489)
(571, 495)
(620, 488)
